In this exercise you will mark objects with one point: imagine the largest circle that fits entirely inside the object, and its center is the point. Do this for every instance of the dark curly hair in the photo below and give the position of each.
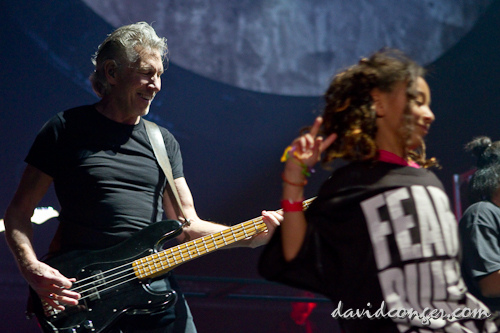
(486, 180)
(349, 111)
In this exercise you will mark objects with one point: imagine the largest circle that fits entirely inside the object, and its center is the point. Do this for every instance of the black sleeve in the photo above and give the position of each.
(174, 153)
(44, 154)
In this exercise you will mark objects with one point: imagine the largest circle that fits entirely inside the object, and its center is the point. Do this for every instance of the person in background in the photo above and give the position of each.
(107, 179)
(480, 224)
(380, 239)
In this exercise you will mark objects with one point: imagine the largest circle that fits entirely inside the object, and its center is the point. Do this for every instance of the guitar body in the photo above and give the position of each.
(107, 283)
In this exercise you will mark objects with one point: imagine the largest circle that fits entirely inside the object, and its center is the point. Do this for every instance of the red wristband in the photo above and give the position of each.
(291, 206)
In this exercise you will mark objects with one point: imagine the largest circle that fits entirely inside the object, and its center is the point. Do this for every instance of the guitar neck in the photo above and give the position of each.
(161, 262)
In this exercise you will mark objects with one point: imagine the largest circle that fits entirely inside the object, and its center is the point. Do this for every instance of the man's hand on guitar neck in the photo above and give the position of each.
(272, 219)
(51, 286)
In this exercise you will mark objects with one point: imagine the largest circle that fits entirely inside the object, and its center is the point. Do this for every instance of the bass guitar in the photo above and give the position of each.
(116, 281)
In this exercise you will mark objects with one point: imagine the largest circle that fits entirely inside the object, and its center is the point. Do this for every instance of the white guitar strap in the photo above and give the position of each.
(160, 152)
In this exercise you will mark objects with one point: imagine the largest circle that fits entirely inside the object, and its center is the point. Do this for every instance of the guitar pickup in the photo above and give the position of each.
(95, 280)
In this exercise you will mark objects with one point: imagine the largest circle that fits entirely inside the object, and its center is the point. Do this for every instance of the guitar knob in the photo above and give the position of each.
(89, 325)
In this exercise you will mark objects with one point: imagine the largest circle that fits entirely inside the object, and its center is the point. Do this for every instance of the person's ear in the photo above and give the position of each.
(377, 102)
(110, 71)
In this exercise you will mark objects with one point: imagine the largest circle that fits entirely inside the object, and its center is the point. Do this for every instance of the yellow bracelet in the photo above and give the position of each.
(306, 170)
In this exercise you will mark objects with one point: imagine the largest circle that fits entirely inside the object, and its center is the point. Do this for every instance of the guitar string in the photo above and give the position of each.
(179, 248)
(97, 283)
(214, 247)
(156, 258)
(193, 242)
(132, 273)
(189, 244)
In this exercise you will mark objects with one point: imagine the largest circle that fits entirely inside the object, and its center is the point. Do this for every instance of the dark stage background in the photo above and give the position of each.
(231, 140)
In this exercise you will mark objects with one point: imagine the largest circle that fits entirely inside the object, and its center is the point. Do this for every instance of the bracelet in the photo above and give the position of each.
(306, 170)
(291, 206)
(304, 183)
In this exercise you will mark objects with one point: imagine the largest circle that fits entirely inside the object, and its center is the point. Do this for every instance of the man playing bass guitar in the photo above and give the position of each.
(108, 182)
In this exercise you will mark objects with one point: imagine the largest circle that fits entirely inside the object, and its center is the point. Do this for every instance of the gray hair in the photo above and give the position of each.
(121, 46)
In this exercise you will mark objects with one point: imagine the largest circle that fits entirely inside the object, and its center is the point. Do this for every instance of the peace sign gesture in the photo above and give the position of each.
(304, 152)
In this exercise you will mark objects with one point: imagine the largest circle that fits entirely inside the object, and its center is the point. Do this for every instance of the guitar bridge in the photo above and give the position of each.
(48, 310)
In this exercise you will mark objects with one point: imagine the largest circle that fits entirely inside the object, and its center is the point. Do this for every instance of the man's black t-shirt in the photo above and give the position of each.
(106, 177)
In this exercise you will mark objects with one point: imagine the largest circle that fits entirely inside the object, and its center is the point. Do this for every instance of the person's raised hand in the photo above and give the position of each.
(307, 148)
